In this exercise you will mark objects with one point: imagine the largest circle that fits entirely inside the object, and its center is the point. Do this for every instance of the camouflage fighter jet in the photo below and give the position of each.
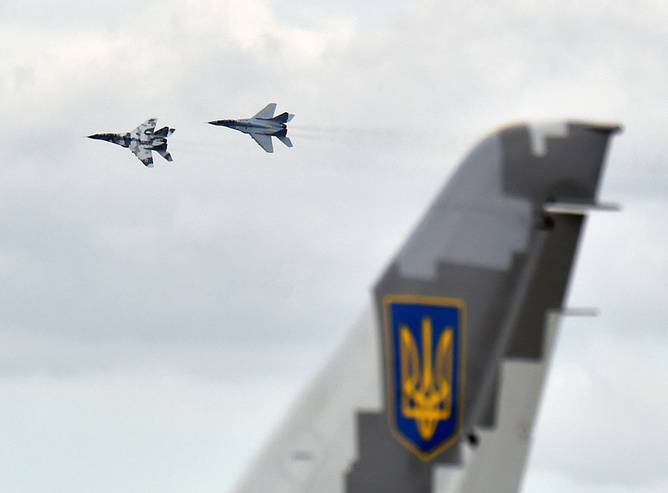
(262, 127)
(142, 141)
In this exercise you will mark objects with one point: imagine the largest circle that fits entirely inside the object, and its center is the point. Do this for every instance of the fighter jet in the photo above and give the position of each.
(262, 127)
(142, 140)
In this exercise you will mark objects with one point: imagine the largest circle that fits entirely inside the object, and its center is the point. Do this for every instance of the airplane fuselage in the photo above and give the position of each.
(253, 125)
(126, 140)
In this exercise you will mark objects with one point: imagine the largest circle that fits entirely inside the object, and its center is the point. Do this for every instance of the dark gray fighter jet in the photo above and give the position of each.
(142, 141)
(262, 127)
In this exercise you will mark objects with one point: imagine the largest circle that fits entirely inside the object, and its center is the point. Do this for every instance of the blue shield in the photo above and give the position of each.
(424, 337)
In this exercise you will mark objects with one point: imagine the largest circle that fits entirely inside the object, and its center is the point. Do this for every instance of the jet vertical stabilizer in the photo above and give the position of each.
(283, 118)
(164, 132)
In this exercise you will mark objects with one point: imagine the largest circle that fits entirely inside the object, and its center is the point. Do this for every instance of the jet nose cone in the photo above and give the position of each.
(96, 137)
(221, 123)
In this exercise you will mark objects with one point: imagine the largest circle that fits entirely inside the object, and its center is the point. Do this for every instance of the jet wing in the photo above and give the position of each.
(264, 141)
(144, 155)
(436, 388)
(144, 129)
(267, 112)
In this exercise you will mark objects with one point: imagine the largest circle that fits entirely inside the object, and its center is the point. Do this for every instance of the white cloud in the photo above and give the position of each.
(144, 430)
(109, 267)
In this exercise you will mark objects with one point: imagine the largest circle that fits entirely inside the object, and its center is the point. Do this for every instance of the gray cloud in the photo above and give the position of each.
(231, 254)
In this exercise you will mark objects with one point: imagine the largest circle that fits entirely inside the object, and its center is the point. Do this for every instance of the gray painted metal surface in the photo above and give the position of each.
(262, 127)
(142, 141)
(491, 248)
(488, 240)
(470, 210)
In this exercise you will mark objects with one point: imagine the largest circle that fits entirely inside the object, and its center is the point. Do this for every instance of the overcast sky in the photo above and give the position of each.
(142, 310)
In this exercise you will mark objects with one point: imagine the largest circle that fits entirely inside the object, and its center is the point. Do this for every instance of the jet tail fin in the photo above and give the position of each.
(283, 118)
(164, 132)
(439, 391)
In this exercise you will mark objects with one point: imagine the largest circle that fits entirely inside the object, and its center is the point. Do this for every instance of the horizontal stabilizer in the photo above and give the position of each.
(286, 140)
(579, 312)
(162, 150)
(283, 136)
(578, 208)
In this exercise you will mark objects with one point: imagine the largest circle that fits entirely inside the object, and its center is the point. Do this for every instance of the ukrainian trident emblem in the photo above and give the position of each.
(424, 340)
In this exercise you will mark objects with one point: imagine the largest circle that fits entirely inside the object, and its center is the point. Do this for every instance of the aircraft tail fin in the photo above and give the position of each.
(439, 390)
(164, 132)
(283, 137)
(283, 118)
(491, 307)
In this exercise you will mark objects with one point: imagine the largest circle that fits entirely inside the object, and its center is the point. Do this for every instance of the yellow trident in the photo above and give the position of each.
(426, 395)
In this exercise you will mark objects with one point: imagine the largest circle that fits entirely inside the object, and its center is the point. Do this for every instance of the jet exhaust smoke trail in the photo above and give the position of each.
(387, 137)
(319, 129)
